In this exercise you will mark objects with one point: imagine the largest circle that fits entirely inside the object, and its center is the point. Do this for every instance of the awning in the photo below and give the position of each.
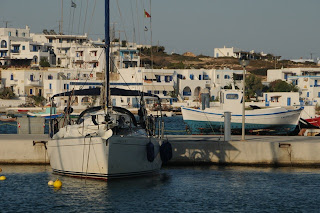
(96, 91)
(150, 76)
(160, 73)
(158, 88)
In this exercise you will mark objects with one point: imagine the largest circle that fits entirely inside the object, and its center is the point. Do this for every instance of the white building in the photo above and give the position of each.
(274, 99)
(227, 52)
(306, 79)
(18, 48)
(46, 83)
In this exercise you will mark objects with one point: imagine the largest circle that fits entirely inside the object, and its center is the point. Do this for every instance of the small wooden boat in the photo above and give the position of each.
(7, 119)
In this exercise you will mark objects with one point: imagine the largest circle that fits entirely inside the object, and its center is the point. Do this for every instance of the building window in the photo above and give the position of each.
(30, 91)
(165, 93)
(9, 33)
(3, 44)
(232, 96)
(23, 34)
(66, 86)
(17, 33)
(156, 92)
(218, 76)
(50, 86)
(60, 40)
(11, 77)
(50, 40)
(191, 77)
(50, 77)
(226, 77)
(23, 47)
(308, 94)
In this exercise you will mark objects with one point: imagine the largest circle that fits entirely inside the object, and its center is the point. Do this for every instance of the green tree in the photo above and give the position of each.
(38, 100)
(44, 62)
(253, 85)
(282, 86)
(7, 93)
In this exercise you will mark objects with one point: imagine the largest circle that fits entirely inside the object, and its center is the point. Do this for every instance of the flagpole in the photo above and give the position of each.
(151, 37)
(61, 27)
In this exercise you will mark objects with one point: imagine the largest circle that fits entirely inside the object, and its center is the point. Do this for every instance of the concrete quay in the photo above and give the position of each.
(192, 150)
(255, 150)
(23, 149)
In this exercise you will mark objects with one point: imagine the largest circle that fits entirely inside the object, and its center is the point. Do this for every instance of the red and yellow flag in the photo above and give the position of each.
(146, 14)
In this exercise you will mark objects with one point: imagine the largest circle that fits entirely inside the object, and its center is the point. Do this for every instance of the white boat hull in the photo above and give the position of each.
(94, 157)
(211, 120)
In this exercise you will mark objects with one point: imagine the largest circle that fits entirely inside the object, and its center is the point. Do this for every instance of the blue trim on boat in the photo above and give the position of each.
(206, 127)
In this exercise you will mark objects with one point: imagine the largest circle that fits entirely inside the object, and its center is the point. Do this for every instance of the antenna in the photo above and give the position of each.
(6, 23)
(311, 55)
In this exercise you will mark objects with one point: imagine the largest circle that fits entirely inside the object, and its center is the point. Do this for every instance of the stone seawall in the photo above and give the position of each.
(191, 150)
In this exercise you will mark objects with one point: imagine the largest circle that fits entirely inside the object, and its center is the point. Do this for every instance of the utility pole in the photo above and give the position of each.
(61, 25)
(6, 23)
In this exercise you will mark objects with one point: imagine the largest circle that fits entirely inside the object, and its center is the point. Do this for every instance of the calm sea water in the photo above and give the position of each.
(174, 189)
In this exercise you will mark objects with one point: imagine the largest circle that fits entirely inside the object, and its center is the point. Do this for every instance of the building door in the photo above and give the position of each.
(135, 103)
(288, 101)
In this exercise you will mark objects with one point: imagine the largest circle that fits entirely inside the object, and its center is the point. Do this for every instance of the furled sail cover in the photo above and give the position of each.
(96, 91)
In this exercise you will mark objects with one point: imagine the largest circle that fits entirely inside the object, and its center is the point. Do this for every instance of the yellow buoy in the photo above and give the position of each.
(57, 184)
(50, 183)
(3, 178)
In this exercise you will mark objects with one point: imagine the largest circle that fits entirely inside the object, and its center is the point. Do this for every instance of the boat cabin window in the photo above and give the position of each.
(232, 96)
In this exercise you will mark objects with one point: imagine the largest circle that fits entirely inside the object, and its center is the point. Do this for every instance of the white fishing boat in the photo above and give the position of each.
(49, 112)
(107, 141)
(210, 120)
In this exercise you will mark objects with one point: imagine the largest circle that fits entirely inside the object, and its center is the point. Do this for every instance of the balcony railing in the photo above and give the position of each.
(15, 51)
(34, 82)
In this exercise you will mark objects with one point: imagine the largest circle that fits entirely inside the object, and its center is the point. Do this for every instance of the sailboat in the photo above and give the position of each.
(107, 141)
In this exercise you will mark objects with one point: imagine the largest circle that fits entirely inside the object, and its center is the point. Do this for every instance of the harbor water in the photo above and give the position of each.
(173, 126)
(174, 189)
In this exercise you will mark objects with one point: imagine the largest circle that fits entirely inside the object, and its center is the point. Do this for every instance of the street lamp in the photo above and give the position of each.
(244, 61)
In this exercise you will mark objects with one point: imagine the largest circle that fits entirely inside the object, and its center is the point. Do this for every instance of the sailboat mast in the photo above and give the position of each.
(107, 49)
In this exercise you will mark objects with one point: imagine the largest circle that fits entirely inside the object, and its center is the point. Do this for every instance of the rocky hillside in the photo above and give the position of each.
(189, 60)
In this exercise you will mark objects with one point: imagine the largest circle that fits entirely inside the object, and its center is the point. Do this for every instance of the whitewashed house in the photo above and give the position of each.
(17, 47)
(306, 79)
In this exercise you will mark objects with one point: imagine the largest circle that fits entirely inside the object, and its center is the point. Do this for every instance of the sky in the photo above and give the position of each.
(288, 28)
